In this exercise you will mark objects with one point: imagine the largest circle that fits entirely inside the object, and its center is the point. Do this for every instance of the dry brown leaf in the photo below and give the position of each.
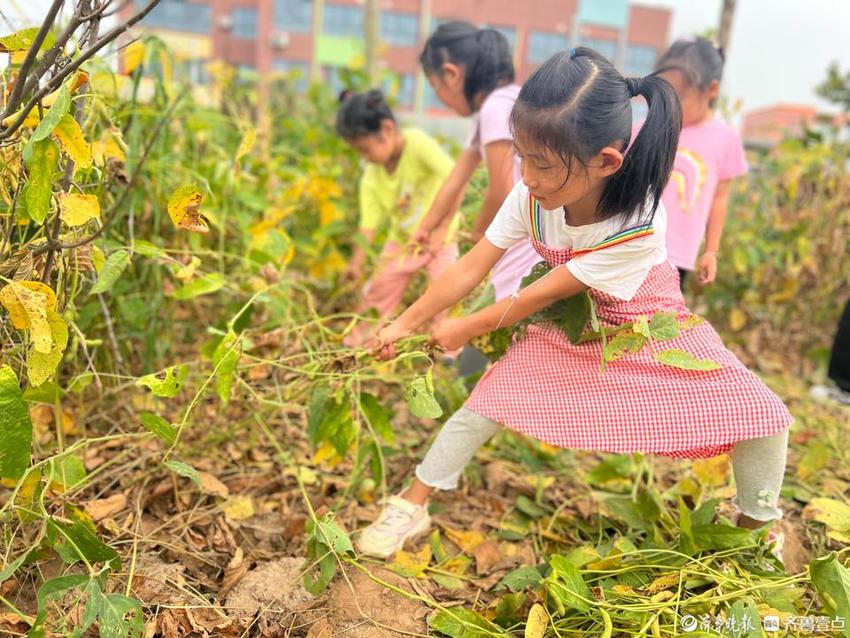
(487, 556)
(212, 486)
(105, 507)
(234, 572)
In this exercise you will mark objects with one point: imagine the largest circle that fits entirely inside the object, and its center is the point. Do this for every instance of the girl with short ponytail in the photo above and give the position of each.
(590, 203)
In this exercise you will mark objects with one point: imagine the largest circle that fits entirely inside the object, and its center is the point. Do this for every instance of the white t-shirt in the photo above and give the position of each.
(617, 270)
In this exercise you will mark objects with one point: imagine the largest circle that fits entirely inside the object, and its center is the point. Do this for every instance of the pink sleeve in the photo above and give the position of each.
(734, 162)
(494, 120)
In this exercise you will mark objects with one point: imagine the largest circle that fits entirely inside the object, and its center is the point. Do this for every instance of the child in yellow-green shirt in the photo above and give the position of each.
(406, 169)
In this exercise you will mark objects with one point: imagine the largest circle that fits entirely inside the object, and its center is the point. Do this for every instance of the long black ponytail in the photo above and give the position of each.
(577, 103)
(485, 55)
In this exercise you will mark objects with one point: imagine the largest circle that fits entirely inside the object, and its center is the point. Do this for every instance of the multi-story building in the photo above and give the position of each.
(766, 127)
(322, 37)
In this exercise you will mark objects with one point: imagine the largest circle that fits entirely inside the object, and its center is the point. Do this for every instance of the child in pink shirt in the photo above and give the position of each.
(709, 157)
(472, 72)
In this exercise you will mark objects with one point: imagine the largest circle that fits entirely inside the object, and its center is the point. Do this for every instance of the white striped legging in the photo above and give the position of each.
(758, 464)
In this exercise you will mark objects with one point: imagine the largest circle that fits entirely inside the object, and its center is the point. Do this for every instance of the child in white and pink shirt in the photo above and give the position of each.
(709, 157)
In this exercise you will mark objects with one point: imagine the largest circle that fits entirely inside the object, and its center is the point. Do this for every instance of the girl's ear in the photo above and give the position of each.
(713, 90)
(451, 75)
(388, 128)
(610, 160)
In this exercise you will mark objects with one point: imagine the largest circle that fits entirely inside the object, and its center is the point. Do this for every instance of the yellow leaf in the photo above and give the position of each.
(327, 453)
(71, 139)
(712, 471)
(134, 53)
(834, 514)
(183, 208)
(247, 143)
(76, 209)
(538, 621)
(28, 303)
(108, 147)
(238, 508)
(412, 564)
(41, 365)
(466, 540)
(737, 319)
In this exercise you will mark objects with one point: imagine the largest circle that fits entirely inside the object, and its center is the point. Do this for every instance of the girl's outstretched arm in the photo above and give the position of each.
(559, 283)
(448, 198)
(453, 284)
(500, 173)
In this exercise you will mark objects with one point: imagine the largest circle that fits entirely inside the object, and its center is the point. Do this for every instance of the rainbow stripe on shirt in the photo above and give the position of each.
(628, 234)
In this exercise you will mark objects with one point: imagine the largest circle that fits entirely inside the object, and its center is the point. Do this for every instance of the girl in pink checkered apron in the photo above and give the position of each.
(592, 211)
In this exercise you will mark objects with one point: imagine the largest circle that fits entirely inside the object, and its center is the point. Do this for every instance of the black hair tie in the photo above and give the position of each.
(634, 86)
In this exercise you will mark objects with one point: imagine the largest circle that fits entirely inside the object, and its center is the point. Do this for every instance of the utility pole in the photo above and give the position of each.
(372, 39)
(318, 18)
(724, 31)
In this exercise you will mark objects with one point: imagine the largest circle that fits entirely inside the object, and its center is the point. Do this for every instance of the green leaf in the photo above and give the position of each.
(54, 114)
(378, 416)
(18, 41)
(184, 469)
(623, 343)
(201, 286)
(77, 542)
(332, 535)
(329, 420)
(225, 360)
(159, 427)
(457, 622)
(421, 400)
(111, 271)
(832, 581)
(641, 327)
(41, 163)
(720, 536)
(746, 608)
(664, 326)
(567, 585)
(166, 386)
(120, 617)
(521, 578)
(15, 427)
(12, 567)
(574, 314)
(685, 361)
(51, 589)
(67, 471)
(529, 507)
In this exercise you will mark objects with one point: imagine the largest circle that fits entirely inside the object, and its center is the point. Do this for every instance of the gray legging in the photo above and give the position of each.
(758, 464)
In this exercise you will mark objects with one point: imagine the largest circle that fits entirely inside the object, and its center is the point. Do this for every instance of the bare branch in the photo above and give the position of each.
(17, 91)
(56, 81)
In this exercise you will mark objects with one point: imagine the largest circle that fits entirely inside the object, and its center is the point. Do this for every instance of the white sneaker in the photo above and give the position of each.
(399, 520)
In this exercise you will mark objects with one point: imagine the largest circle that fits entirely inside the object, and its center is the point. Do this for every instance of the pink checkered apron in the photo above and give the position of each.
(552, 390)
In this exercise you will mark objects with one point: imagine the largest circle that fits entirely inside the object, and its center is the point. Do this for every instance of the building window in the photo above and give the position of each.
(180, 16)
(401, 29)
(245, 23)
(343, 21)
(192, 71)
(508, 32)
(543, 45)
(608, 48)
(640, 59)
(294, 15)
